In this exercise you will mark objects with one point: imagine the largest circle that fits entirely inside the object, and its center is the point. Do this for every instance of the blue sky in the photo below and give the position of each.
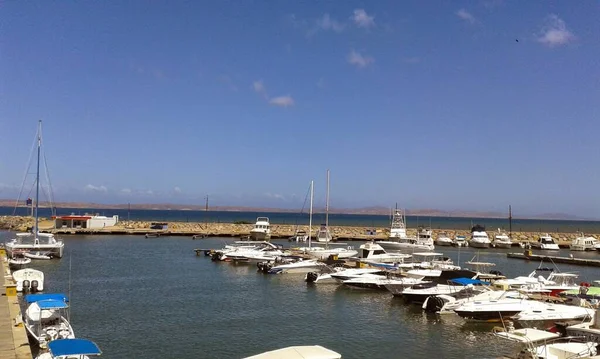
(430, 104)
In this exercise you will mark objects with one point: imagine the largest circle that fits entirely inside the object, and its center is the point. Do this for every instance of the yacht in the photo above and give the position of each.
(423, 242)
(261, 230)
(240, 247)
(547, 314)
(583, 243)
(501, 240)
(445, 304)
(46, 318)
(295, 267)
(479, 238)
(431, 260)
(494, 310)
(263, 252)
(398, 226)
(545, 242)
(324, 253)
(443, 240)
(373, 252)
(460, 241)
(71, 348)
(339, 274)
(299, 236)
(458, 287)
(368, 281)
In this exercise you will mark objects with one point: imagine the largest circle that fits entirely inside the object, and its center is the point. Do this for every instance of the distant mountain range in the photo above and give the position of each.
(375, 210)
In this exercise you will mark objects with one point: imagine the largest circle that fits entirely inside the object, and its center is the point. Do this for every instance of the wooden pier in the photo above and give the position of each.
(566, 260)
(14, 343)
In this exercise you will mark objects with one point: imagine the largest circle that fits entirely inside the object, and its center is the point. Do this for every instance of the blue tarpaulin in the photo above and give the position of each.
(68, 347)
(32, 298)
(465, 281)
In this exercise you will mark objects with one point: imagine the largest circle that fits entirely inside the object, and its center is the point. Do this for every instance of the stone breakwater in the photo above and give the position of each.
(16, 223)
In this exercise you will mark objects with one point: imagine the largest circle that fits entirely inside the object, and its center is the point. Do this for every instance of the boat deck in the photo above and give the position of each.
(13, 339)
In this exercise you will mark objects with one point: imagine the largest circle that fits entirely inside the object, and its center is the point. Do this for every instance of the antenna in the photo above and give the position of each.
(509, 221)
(70, 300)
(310, 215)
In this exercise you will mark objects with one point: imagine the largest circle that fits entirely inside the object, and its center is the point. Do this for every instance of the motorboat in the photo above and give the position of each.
(423, 242)
(457, 287)
(46, 318)
(484, 271)
(299, 236)
(261, 230)
(339, 274)
(240, 247)
(460, 241)
(443, 240)
(71, 348)
(324, 253)
(431, 260)
(445, 304)
(299, 352)
(545, 242)
(479, 237)
(29, 280)
(535, 283)
(295, 267)
(501, 240)
(264, 251)
(547, 314)
(38, 255)
(40, 242)
(583, 243)
(412, 277)
(368, 281)
(18, 262)
(373, 252)
(495, 310)
(323, 235)
(541, 344)
(398, 226)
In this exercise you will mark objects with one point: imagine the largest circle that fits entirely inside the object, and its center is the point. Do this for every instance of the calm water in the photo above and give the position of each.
(334, 219)
(153, 298)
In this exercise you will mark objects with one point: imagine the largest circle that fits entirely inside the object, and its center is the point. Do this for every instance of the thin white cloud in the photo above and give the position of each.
(226, 79)
(555, 33)
(359, 60)
(92, 188)
(326, 23)
(176, 189)
(282, 101)
(275, 195)
(126, 190)
(149, 192)
(466, 16)
(362, 19)
(259, 87)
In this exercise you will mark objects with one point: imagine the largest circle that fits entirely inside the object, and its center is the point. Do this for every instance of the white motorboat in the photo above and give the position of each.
(432, 260)
(264, 251)
(460, 241)
(495, 310)
(17, 262)
(423, 242)
(458, 287)
(71, 348)
(324, 253)
(29, 280)
(583, 243)
(299, 352)
(545, 242)
(398, 226)
(46, 318)
(479, 237)
(368, 281)
(443, 240)
(549, 313)
(35, 240)
(299, 236)
(339, 275)
(501, 240)
(261, 230)
(373, 252)
(240, 247)
(300, 266)
(541, 344)
(38, 255)
(412, 277)
(446, 304)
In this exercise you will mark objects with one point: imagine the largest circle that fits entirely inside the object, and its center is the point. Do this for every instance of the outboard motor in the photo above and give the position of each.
(26, 285)
(434, 304)
(34, 286)
(311, 277)
(215, 256)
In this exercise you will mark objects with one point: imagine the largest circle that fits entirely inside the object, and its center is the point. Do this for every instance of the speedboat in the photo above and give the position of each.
(238, 247)
(495, 310)
(29, 280)
(261, 230)
(70, 348)
(265, 251)
(445, 304)
(501, 240)
(299, 352)
(432, 260)
(412, 277)
(583, 243)
(299, 236)
(300, 266)
(43, 242)
(460, 241)
(368, 281)
(443, 240)
(423, 242)
(373, 252)
(324, 253)
(545, 242)
(46, 318)
(548, 313)
(339, 274)
(479, 237)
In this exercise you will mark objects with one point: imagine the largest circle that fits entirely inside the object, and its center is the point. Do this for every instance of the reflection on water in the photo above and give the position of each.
(153, 298)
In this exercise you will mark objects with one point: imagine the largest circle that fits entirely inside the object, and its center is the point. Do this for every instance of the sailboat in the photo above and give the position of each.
(324, 235)
(35, 241)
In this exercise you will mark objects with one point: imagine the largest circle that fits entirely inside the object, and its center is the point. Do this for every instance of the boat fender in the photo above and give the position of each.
(34, 286)
(311, 277)
(26, 285)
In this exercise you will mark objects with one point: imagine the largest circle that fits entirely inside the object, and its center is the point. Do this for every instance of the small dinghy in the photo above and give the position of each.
(37, 255)
(18, 262)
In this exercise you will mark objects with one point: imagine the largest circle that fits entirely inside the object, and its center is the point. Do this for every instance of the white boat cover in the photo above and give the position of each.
(299, 352)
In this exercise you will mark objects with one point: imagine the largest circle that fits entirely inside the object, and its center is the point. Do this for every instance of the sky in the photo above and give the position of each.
(461, 105)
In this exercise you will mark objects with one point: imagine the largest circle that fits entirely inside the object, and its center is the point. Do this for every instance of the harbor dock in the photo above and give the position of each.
(14, 343)
(555, 259)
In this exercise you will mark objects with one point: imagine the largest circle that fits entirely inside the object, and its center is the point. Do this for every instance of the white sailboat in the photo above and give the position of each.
(36, 241)
(324, 235)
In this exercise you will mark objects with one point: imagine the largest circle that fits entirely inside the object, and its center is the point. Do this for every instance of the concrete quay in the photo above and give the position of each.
(14, 343)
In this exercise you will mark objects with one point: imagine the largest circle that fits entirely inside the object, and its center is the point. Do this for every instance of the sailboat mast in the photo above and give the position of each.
(509, 221)
(327, 203)
(310, 214)
(37, 180)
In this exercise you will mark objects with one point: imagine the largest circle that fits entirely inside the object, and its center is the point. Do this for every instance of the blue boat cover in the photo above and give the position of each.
(68, 347)
(51, 304)
(32, 298)
(465, 281)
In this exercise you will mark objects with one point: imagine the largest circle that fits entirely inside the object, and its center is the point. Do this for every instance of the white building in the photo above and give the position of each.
(85, 221)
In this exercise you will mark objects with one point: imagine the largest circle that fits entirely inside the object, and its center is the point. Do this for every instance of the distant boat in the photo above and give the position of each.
(261, 230)
(545, 242)
(479, 237)
(18, 262)
(501, 240)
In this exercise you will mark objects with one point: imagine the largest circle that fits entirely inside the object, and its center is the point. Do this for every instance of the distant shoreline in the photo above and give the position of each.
(365, 211)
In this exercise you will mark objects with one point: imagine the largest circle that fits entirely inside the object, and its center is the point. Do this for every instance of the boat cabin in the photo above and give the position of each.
(262, 223)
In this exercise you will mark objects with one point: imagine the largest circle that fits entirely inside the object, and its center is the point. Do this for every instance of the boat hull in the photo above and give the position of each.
(401, 246)
(260, 236)
(479, 244)
(502, 245)
(486, 316)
